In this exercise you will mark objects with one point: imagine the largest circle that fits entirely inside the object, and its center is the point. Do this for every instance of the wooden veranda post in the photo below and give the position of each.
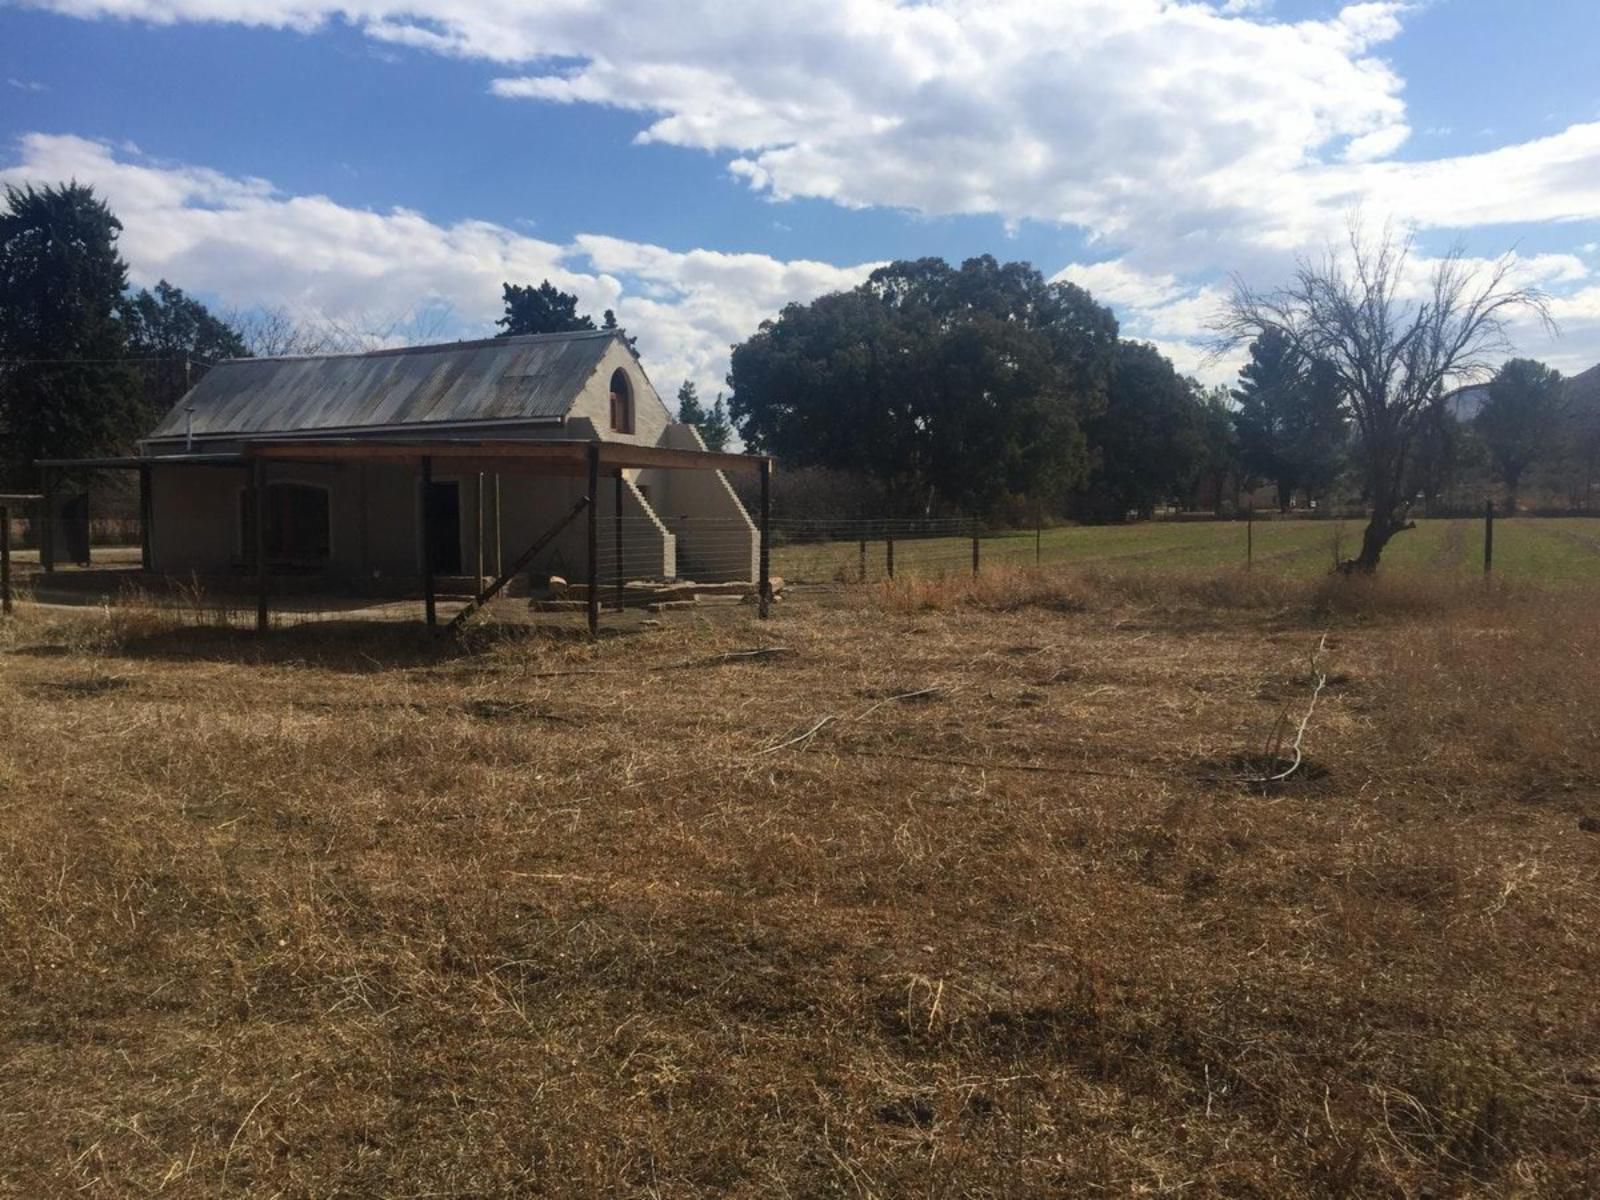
(594, 540)
(146, 509)
(1488, 537)
(477, 509)
(47, 531)
(5, 560)
(429, 606)
(258, 510)
(617, 525)
(764, 584)
(499, 544)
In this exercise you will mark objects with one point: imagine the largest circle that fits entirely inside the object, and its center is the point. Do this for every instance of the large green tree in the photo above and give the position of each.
(953, 386)
(1520, 419)
(542, 309)
(1150, 441)
(66, 390)
(175, 338)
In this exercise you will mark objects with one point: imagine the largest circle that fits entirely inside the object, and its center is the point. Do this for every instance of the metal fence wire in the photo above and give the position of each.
(644, 560)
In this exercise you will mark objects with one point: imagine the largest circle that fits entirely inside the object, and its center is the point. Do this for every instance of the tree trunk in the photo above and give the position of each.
(1388, 519)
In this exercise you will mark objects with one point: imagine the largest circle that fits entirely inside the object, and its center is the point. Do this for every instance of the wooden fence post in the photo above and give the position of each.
(888, 550)
(146, 517)
(594, 539)
(430, 612)
(764, 584)
(974, 551)
(1249, 535)
(47, 531)
(862, 570)
(622, 591)
(258, 502)
(1488, 537)
(5, 560)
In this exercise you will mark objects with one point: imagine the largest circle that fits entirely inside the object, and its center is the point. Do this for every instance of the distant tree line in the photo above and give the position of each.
(980, 389)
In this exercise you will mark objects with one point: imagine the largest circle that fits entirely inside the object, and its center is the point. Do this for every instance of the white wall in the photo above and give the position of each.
(717, 540)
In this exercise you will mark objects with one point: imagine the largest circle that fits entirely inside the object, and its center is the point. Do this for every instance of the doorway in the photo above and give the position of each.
(441, 509)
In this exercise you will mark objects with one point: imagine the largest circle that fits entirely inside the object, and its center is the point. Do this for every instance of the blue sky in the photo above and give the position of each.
(259, 151)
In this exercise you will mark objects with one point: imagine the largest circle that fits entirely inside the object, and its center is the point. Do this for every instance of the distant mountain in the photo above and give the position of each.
(1583, 391)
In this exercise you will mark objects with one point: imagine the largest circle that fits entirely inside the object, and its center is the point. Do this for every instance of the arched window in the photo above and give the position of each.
(621, 402)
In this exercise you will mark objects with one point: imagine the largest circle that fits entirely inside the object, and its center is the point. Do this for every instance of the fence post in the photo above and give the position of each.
(1488, 537)
(1249, 535)
(764, 565)
(888, 550)
(592, 543)
(863, 568)
(47, 531)
(1038, 539)
(622, 584)
(5, 560)
(146, 516)
(430, 610)
(258, 510)
(974, 550)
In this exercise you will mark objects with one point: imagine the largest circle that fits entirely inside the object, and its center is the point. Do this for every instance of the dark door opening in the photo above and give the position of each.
(441, 509)
(299, 532)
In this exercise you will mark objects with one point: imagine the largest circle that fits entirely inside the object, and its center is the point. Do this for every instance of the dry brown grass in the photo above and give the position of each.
(957, 898)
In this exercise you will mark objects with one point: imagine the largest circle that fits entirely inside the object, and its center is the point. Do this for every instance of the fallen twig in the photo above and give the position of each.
(804, 737)
(1297, 746)
(716, 660)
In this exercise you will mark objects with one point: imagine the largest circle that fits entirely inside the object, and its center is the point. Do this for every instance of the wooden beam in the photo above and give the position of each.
(47, 532)
(5, 560)
(617, 526)
(258, 500)
(764, 583)
(523, 559)
(574, 453)
(594, 540)
(622, 454)
(146, 508)
(429, 607)
(477, 512)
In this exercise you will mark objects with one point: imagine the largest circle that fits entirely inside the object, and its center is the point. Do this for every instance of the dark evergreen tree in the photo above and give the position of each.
(1149, 442)
(1520, 419)
(712, 423)
(716, 430)
(175, 339)
(1290, 421)
(65, 389)
(542, 309)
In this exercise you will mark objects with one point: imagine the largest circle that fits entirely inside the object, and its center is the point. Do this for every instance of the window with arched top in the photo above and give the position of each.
(621, 402)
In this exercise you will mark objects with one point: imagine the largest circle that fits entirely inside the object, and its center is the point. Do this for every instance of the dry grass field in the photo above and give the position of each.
(963, 889)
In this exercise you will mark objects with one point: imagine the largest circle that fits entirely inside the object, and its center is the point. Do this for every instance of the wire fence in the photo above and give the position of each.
(642, 561)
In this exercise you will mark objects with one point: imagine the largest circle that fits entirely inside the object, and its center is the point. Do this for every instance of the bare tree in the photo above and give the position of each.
(1389, 352)
(278, 332)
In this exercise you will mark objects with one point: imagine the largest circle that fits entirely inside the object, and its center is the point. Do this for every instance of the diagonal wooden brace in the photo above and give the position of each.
(523, 559)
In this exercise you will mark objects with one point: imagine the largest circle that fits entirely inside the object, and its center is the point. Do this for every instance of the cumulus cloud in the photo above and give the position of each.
(245, 242)
(1186, 137)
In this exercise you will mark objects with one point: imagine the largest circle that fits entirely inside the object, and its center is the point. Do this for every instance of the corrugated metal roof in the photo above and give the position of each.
(497, 379)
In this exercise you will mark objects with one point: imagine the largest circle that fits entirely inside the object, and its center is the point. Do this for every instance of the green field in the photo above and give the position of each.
(1546, 550)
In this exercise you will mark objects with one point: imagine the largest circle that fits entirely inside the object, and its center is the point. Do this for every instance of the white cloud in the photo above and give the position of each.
(247, 243)
(1186, 137)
